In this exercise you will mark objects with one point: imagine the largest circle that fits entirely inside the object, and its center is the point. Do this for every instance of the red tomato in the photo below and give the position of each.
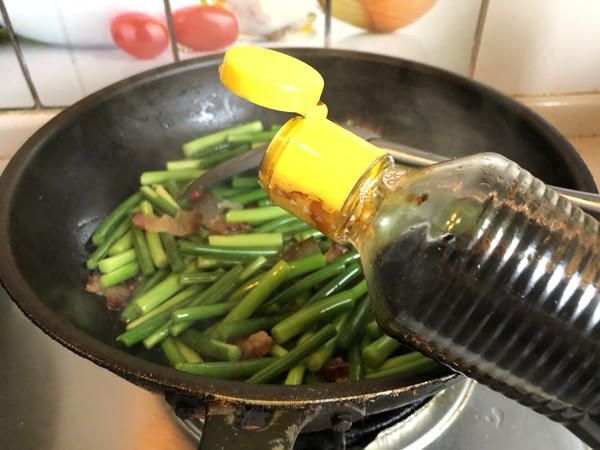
(140, 34)
(205, 27)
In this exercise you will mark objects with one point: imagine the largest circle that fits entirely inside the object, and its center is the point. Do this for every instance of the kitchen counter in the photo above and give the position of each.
(589, 149)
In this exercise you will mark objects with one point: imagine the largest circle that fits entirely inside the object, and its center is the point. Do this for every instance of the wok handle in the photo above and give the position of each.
(238, 427)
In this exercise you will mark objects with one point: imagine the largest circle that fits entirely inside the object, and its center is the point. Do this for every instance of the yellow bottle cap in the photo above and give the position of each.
(271, 79)
(312, 165)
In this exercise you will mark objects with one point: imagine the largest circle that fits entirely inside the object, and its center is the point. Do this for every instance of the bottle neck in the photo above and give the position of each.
(313, 166)
(353, 223)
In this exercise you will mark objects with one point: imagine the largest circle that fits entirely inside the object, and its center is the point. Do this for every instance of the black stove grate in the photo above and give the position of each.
(362, 432)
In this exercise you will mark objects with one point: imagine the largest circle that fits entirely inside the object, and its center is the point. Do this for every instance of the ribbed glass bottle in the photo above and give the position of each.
(478, 264)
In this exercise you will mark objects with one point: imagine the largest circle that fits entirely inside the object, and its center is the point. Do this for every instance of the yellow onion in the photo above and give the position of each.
(381, 16)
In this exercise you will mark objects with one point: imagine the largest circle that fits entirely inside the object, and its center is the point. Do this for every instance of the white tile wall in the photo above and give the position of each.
(70, 53)
(541, 47)
(312, 34)
(14, 92)
(544, 52)
(68, 47)
(527, 48)
(443, 37)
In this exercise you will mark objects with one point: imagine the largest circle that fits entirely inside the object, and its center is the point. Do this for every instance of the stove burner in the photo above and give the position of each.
(362, 432)
(411, 426)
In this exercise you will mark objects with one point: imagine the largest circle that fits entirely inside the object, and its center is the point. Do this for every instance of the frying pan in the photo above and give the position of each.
(86, 160)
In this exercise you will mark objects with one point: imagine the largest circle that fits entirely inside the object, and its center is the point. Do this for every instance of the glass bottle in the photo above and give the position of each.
(473, 262)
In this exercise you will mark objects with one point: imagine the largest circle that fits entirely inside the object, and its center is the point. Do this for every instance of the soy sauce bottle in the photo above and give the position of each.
(473, 262)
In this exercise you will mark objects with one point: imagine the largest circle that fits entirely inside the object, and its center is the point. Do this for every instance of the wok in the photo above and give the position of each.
(86, 160)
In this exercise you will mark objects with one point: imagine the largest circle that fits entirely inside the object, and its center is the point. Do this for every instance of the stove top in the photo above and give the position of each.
(51, 398)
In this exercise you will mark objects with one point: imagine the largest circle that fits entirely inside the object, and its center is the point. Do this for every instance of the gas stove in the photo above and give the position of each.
(51, 398)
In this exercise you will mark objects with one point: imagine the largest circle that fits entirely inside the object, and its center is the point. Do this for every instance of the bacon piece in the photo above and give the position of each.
(117, 297)
(218, 225)
(333, 370)
(335, 251)
(301, 249)
(183, 224)
(212, 210)
(93, 284)
(256, 345)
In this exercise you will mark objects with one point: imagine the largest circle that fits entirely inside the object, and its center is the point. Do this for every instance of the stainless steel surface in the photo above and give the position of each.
(485, 420)
(54, 400)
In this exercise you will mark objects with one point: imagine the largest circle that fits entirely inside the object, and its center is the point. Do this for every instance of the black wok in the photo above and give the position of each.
(80, 165)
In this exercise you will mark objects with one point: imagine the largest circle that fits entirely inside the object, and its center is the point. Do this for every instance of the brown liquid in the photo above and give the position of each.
(515, 302)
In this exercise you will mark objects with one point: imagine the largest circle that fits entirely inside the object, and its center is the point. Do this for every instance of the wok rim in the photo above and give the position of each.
(157, 377)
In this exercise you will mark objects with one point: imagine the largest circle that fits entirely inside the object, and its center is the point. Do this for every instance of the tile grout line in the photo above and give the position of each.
(171, 28)
(477, 37)
(37, 103)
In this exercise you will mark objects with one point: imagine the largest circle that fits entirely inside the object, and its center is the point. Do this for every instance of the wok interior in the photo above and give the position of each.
(88, 159)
